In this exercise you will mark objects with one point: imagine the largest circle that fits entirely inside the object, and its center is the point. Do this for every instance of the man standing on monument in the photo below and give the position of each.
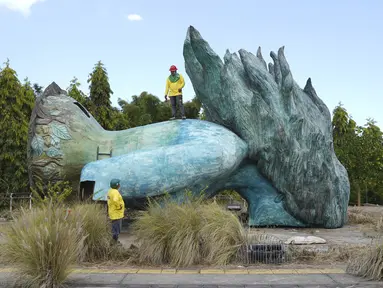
(116, 208)
(174, 84)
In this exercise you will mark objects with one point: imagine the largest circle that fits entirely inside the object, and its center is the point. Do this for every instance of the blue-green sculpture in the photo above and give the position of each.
(265, 137)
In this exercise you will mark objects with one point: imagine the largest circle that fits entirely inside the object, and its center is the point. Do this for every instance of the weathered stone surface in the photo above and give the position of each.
(305, 240)
(169, 157)
(288, 130)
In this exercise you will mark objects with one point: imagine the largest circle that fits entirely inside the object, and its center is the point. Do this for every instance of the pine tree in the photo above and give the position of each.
(16, 102)
(100, 93)
(37, 89)
(29, 93)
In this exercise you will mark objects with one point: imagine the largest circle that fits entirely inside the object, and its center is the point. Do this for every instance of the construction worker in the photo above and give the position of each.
(174, 84)
(116, 208)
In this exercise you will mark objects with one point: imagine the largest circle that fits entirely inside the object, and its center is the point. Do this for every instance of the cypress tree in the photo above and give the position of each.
(99, 94)
(16, 102)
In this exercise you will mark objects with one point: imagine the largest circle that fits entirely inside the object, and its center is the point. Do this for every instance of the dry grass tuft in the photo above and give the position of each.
(96, 227)
(43, 244)
(187, 234)
(379, 225)
(368, 264)
(357, 216)
(335, 254)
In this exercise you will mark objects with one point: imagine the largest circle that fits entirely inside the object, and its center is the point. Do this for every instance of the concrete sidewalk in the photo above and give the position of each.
(209, 278)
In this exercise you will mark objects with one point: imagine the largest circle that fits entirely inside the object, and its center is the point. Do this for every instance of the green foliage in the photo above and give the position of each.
(144, 109)
(38, 90)
(360, 150)
(16, 103)
(100, 93)
(192, 233)
(55, 193)
(75, 92)
(147, 108)
(193, 108)
(232, 194)
(99, 87)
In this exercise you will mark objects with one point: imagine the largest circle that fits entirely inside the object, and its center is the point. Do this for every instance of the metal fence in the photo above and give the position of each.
(15, 197)
(263, 249)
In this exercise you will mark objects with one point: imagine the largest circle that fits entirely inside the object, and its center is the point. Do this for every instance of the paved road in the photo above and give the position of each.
(211, 281)
(215, 281)
(149, 278)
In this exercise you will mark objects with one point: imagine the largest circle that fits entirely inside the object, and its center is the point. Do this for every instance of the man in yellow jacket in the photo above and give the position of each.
(116, 208)
(174, 84)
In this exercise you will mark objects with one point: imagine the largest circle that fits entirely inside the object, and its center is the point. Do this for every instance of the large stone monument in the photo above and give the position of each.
(265, 137)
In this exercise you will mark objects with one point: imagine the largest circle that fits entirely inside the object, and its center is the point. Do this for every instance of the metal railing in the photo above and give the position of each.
(19, 196)
(263, 249)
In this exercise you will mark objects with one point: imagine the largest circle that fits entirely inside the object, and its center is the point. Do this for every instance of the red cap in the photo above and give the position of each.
(173, 68)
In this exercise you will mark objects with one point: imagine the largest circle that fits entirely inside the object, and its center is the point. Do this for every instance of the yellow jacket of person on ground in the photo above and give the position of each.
(174, 84)
(116, 205)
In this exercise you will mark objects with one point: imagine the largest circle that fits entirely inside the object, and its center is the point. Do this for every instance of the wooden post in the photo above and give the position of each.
(10, 203)
(358, 191)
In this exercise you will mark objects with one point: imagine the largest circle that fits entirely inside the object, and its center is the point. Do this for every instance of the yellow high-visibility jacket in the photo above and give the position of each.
(172, 88)
(116, 205)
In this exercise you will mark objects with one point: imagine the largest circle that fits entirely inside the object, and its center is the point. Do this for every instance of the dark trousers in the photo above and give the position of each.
(116, 228)
(174, 100)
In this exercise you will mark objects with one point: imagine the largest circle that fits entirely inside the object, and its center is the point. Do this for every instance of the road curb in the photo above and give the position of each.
(199, 271)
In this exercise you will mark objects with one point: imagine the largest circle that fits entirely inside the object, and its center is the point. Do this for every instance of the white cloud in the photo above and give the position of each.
(22, 6)
(132, 17)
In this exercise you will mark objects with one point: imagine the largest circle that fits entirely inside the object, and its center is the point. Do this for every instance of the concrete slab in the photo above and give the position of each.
(95, 279)
(209, 280)
(226, 279)
(346, 279)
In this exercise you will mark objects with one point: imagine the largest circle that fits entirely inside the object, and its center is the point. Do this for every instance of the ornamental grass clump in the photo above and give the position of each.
(369, 263)
(42, 244)
(358, 216)
(96, 228)
(222, 234)
(185, 234)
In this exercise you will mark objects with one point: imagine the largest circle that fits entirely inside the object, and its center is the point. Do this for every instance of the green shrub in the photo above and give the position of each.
(55, 193)
(42, 244)
(192, 233)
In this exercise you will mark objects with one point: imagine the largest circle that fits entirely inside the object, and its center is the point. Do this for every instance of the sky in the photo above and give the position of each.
(338, 44)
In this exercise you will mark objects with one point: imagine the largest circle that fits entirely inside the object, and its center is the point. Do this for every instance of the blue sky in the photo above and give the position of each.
(338, 43)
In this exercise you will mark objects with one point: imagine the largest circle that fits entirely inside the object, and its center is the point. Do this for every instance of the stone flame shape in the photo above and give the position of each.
(288, 130)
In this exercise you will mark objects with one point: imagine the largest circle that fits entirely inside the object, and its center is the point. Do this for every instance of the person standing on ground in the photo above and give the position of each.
(116, 208)
(174, 84)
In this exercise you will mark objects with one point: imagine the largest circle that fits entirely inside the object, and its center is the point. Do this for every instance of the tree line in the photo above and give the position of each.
(359, 148)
